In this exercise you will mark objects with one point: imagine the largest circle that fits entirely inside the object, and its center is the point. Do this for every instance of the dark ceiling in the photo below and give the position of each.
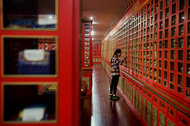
(103, 13)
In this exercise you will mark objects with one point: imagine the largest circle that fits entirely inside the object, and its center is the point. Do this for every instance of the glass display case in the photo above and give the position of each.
(96, 52)
(39, 46)
(32, 56)
(87, 53)
(29, 14)
(29, 102)
(87, 45)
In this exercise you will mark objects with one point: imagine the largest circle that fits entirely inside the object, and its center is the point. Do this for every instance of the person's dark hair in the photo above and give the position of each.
(117, 51)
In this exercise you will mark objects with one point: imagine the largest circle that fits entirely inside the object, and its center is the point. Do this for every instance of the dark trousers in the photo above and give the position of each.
(114, 82)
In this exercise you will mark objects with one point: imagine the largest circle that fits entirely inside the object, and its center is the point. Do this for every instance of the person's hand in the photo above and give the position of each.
(120, 59)
(125, 57)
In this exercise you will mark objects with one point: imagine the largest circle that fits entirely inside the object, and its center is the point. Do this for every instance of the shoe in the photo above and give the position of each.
(115, 97)
(111, 95)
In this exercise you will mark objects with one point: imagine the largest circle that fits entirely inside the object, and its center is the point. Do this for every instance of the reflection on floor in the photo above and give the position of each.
(106, 112)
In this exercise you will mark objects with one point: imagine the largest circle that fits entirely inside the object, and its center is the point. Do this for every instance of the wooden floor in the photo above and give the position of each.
(106, 112)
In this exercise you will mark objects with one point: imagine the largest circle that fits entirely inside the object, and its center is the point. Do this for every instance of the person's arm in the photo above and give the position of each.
(123, 60)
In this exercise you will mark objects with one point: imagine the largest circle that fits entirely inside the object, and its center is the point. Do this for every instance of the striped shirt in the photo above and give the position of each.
(115, 65)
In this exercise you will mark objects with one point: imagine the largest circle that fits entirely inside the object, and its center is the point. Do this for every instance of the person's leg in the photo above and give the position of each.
(115, 84)
(115, 88)
(112, 84)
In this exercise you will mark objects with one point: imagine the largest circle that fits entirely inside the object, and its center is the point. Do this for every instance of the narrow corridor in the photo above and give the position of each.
(106, 112)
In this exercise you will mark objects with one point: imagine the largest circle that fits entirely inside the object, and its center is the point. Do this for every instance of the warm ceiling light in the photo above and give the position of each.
(91, 18)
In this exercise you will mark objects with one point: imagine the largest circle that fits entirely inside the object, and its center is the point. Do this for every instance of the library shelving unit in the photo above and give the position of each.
(86, 70)
(96, 52)
(155, 79)
(87, 54)
(39, 63)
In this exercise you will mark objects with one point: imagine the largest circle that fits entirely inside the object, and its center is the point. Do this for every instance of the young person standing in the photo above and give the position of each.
(115, 73)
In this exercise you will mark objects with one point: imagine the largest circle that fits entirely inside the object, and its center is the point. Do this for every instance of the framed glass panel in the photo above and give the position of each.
(161, 5)
(179, 79)
(160, 63)
(156, 27)
(172, 66)
(151, 20)
(160, 73)
(166, 33)
(155, 36)
(172, 86)
(166, 44)
(155, 72)
(165, 64)
(156, 8)
(161, 119)
(152, 3)
(188, 27)
(151, 29)
(188, 82)
(187, 93)
(181, 17)
(155, 63)
(30, 102)
(172, 54)
(165, 75)
(181, 4)
(167, 2)
(161, 25)
(160, 44)
(173, 21)
(145, 9)
(172, 77)
(160, 34)
(148, 23)
(173, 31)
(161, 15)
(189, 13)
(173, 8)
(150, 70)
(165, 83)
(156, 1)
(180, 54)
(180, 67)
(166, 12)
(188, 54)
(160, 54)
(188, 68)
(155, 54)
(30, 14)
(155, 45)
(34, 56)
(165, 54)
(180, 43)
(166, 23)
(148, 6)
(179, 90)
(151, 62)
(173, 1)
